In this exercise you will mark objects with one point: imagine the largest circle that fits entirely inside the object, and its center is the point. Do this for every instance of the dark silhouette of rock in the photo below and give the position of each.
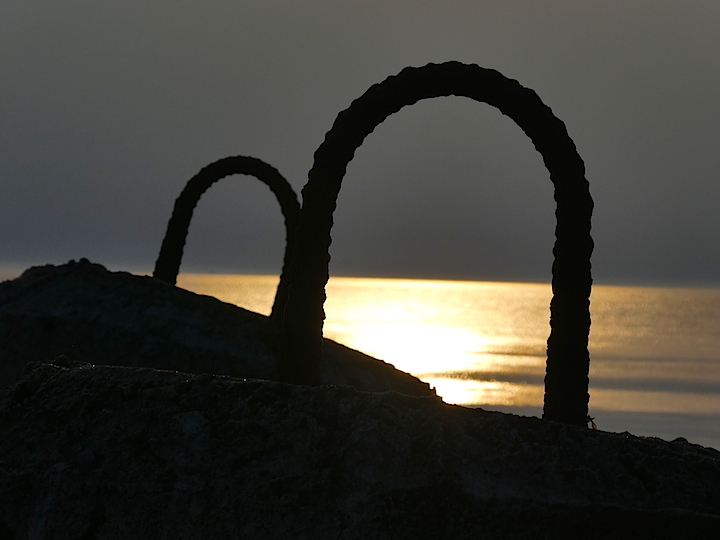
(116, 453)
(85, 313)
(167, 265)
(566, 381)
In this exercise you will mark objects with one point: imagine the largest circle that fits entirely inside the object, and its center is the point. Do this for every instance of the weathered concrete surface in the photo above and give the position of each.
(110, 453)
(89, 314)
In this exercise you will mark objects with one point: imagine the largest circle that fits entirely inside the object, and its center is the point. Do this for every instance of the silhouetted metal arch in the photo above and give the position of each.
(167, 265)
(566, 380)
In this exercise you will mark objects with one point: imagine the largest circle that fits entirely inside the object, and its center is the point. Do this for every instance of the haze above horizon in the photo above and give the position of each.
(109, 108)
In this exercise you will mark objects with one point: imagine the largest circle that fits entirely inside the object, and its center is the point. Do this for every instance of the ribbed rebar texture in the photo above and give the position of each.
(566, 381)
(167, 265)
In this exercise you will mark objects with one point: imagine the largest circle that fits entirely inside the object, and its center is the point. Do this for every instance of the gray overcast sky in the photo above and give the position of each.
(108, 108)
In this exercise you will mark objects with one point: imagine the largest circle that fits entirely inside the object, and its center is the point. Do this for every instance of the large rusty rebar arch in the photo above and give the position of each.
(167, 265)
(566, 380)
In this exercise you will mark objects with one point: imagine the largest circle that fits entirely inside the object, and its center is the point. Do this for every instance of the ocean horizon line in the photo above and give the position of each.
(12, 270)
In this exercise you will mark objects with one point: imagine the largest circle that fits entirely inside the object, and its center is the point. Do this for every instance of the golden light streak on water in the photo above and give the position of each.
(413, 347)
(487, 393)
(424, 326)
(483, 344)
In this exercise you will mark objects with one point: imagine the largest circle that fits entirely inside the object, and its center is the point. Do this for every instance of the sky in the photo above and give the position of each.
(108, 108)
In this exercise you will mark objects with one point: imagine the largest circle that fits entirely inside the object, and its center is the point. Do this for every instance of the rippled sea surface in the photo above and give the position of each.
(655, 352)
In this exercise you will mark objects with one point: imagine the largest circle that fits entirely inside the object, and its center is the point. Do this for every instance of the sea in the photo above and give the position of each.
(654, 352)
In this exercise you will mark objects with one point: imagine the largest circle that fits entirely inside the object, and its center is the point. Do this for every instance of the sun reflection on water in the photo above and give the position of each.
(463, 338)
(462, 391)
(476, 343)
(483, 344)
(414, 347)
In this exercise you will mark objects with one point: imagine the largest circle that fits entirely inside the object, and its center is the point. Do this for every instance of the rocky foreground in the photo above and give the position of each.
(95, 451)
(110, 452)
